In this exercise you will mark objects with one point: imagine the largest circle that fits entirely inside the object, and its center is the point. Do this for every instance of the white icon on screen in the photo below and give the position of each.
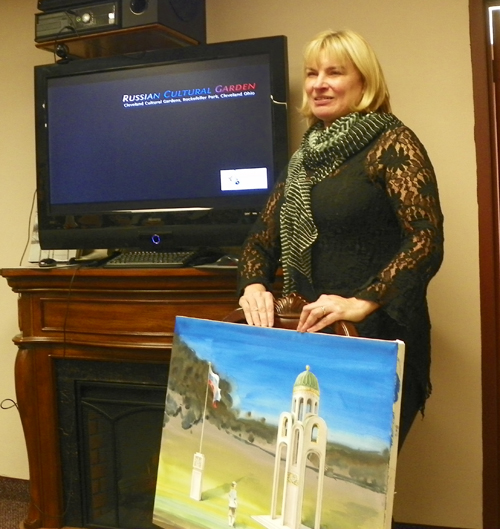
(243, 179)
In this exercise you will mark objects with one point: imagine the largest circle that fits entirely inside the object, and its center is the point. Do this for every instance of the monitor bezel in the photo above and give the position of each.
(52, 231)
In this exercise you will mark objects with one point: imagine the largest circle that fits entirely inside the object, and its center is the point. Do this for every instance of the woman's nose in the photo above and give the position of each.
(319, 81)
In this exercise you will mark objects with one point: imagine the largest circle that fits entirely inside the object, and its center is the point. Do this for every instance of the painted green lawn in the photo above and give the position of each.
(345, 505)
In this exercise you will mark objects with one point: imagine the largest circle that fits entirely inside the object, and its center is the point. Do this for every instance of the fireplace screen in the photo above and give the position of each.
(111, 416)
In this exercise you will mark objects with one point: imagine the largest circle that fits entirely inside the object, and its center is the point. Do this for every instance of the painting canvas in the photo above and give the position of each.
(277, 429)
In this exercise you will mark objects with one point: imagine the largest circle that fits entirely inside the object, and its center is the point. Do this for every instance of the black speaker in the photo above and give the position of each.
(184, 16)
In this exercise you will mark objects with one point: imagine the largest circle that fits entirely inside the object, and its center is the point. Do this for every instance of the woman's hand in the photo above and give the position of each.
(330, 308)
(258, 305)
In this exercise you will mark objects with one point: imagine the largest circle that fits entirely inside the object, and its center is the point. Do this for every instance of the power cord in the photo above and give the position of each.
(29, 229)
(11, 404)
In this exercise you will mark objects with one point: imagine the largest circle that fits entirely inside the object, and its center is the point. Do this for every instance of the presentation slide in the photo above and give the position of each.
(195, 130)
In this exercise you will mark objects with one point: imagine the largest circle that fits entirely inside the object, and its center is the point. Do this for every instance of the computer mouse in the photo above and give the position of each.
(47, 262)
(227, 260)
(203, 256)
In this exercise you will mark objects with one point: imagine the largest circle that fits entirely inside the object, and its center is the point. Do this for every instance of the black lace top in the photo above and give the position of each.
(380, 238)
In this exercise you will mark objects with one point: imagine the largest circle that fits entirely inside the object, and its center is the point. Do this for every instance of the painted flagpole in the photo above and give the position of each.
(199, 458)
(205, 407)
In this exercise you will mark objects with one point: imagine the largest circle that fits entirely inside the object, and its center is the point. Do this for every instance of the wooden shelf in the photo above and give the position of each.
(119, 41)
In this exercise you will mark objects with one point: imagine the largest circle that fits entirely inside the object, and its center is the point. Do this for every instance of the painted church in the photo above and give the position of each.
(301, 433)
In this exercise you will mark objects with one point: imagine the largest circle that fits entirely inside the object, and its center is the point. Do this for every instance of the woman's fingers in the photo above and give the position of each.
(258, 307)
(331, 308)
(314, 317)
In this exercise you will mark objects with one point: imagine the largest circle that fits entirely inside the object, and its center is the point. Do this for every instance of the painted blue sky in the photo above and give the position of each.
(356, 376)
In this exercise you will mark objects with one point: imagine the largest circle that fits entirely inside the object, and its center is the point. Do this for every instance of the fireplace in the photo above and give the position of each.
(110, 418)
(108, 323)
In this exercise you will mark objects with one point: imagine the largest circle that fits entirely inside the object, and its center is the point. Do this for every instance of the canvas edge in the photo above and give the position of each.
(393, 457)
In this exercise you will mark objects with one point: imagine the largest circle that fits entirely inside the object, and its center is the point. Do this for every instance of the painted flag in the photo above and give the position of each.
(213, 382)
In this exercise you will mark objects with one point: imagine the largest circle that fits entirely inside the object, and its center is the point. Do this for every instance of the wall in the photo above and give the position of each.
(17, 174)
(424, 48)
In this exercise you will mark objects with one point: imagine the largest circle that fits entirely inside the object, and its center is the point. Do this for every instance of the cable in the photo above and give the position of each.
(278, 102)
(68, 299)
(13, 404)
(61, 50)
(29, 229)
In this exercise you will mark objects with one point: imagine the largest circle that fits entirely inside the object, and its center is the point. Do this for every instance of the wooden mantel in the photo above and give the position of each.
(101, 315)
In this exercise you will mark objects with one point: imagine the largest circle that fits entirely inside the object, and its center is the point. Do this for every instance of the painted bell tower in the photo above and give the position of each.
(301, 432)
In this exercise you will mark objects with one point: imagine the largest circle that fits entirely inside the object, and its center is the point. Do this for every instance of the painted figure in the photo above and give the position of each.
(233, 503)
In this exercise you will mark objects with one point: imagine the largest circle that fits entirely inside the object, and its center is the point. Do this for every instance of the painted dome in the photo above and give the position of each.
(306, 381)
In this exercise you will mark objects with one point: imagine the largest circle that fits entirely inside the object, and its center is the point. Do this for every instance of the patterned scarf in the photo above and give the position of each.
(321, 152)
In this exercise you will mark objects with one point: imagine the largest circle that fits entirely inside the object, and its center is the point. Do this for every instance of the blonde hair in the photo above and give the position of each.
(345, 46)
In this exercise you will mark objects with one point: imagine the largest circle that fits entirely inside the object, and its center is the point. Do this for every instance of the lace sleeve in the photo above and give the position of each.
(401, 164)
(261, 252)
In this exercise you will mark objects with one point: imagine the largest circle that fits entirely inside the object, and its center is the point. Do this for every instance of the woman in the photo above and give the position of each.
(355, 221)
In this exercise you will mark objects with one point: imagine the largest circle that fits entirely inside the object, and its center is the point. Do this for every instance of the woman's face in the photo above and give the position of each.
(333, 88)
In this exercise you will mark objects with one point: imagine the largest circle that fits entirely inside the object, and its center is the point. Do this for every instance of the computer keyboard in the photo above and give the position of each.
(150, 259)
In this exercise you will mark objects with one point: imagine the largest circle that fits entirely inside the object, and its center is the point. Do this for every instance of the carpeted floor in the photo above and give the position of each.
(14, 496)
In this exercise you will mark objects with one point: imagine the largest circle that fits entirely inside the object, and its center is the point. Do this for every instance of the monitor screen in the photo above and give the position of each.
(161, 149)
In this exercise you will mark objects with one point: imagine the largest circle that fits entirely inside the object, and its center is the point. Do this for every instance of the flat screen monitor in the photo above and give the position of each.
(168, 149)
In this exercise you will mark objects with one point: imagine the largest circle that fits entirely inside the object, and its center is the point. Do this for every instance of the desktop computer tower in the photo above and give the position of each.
(186, 17)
